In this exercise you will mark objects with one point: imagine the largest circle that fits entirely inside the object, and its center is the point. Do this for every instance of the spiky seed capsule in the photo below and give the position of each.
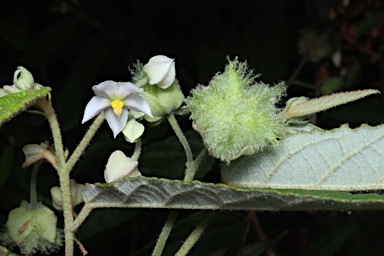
(236, 115)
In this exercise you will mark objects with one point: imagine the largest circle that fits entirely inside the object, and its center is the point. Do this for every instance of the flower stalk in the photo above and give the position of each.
(165, 232)
(180, 135)
(195, 235)
(85, 142)
(33, 193)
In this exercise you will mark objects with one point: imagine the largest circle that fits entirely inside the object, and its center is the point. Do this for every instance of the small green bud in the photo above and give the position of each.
(76, 196)
(236, 115)
(162, 101)
(33, 229)
(23, 79)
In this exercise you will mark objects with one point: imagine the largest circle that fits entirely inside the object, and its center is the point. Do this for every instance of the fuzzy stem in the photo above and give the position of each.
(137, 151)
(191, 171)
(50, 114)
(195, 235)
(180, 135)
(297, 70)
(33, 196)
(67, 210)
(192, 166)
(85, 211)
(84, 142)
(165, 232)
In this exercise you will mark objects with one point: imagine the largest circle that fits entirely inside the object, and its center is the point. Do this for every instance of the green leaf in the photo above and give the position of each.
(339, 159)
(14, 103)
(151, 193)
(301, 106)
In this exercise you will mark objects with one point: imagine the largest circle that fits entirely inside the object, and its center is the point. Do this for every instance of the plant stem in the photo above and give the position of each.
(84, 142)
(191, 171)
(180, 135)
(50, 114)
(33, 193)
(297, 70)
(165, 232)
(67, 211)
(85, 211)
(137, 151)
(195, 235)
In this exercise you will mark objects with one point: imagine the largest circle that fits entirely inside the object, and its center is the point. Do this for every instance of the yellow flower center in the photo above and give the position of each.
(117, 106)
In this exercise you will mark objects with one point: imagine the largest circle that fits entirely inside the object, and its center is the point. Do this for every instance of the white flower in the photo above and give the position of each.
(115, 99)
(119, 165)
(161, 71)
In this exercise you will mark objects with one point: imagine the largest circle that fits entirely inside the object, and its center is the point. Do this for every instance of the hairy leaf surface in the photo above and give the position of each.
(340, 159)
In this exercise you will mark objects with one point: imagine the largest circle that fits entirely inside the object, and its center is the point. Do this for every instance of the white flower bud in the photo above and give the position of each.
(23, 79)
(161, 71)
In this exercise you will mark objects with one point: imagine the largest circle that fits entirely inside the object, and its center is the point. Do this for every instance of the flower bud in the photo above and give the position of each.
(161, 71)
(23, 79)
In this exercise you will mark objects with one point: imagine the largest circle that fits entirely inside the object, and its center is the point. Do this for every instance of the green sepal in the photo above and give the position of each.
(162, 101)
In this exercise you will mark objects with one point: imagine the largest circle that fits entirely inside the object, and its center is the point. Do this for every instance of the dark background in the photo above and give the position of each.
(72, 45)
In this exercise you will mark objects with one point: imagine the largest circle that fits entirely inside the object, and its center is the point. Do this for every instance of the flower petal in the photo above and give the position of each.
(133, 130)
(137, 103)
(126, 88)
(106, 89)
(118, 166)
(110, 89)
(160, 70)
(94, 107)
(169, 78)
(116, 123)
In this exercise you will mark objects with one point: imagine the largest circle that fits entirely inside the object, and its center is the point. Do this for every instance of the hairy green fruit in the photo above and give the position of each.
(32, 229)
(236, 115)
